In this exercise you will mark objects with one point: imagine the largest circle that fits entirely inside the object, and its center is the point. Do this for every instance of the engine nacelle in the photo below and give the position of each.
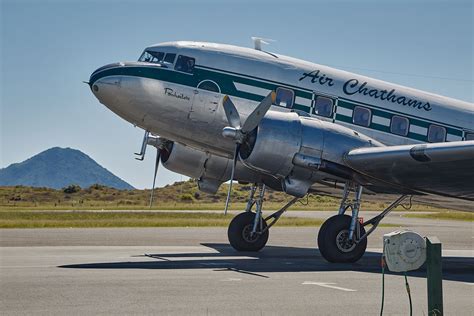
(296, 149)
(210, 170)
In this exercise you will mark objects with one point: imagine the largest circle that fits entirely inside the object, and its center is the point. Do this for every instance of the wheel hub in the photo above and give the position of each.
(343, 243)
(247, 234)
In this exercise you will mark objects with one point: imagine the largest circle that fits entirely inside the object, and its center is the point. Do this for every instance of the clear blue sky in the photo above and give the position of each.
(49, 47)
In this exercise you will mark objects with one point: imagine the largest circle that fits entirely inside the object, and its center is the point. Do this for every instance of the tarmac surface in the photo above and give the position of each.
(194, 271)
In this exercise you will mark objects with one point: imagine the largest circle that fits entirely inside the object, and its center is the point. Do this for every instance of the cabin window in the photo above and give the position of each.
(436, 134)
(361, 116)
(469, 136)
(284, 97)
(185, 64)
(323, 106)
(399, 125)
(209, 85)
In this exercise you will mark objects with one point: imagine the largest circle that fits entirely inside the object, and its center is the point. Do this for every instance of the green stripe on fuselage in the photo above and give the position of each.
(226, 80)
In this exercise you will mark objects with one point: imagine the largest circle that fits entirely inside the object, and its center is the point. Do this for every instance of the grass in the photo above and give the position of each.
(178, 196)
(57, 219)
(458, 216)
(29, 207)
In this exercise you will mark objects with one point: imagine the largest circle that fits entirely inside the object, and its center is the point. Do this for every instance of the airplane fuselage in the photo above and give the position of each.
(179, 105)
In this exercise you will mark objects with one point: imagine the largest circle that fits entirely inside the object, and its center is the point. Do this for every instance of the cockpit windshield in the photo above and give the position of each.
(157, 57)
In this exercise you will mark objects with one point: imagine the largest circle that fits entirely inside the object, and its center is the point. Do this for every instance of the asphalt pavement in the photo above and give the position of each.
(183, 271)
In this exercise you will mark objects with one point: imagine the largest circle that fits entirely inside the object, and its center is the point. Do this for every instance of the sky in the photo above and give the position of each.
(48, 48)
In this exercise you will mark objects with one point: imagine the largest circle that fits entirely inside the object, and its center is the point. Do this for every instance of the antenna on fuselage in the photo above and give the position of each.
(258, 41)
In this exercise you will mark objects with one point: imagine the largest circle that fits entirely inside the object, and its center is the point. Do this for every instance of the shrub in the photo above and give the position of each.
(97, 186)
(186, 197)
(73, 188)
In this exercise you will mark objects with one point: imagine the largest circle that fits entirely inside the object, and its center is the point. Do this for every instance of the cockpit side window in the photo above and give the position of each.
(185, 64)
(169, 58)
(151, 57)
(157, 57)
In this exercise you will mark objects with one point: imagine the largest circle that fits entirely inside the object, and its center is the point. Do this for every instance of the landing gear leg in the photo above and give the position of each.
(249, 231)
(251, 201)
(338, 237)
(343, 238)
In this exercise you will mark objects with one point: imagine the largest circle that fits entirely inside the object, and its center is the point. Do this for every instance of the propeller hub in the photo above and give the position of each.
(233, 133)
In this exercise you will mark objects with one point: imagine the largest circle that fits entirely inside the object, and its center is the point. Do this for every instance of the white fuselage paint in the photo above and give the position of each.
(183, 113)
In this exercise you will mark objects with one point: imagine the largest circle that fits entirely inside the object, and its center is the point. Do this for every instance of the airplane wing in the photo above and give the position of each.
(445, 169)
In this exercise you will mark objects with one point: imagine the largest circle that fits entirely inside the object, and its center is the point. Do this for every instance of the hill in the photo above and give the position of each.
(57, 168)
(179, 195)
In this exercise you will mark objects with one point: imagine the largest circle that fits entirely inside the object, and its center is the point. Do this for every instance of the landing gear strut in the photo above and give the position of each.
(342, 238)
(249, 231)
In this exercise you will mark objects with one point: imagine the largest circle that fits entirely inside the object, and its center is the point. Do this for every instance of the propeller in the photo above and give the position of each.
(157, 164)
(159, 144)
(238, 131)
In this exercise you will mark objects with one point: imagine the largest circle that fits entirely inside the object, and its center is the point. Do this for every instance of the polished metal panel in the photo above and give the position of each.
(339, 140)
(185, 160)
(439, 168)
(209, 168)
(208, 185)
(306, 161)
(297, 155)
(273, 150)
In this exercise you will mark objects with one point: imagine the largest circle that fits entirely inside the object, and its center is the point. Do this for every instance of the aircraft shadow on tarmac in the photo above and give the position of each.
(273, 259)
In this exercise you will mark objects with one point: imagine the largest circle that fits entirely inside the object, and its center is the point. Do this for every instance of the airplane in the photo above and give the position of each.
(219, 112)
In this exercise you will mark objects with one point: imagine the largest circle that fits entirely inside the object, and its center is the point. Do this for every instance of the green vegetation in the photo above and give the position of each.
(458, 216)
(72, 189)
(178, 196)
(28, 207)
(58, 219)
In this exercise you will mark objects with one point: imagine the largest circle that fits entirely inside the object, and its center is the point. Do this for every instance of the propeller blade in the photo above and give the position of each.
(141, 154)
(256, 116)
(231, 112)
(234, 162)
(157, 164)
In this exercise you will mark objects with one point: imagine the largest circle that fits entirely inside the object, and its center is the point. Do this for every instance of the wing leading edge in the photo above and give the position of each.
(445, 169)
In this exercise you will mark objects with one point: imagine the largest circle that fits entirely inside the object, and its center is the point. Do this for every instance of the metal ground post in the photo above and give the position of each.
(434, 276)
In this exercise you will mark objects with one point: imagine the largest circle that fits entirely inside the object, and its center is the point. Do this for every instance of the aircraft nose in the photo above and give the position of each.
(104, 84)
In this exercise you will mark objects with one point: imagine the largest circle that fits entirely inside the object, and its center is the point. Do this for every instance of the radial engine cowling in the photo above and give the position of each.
(210, 170)
(296, 148)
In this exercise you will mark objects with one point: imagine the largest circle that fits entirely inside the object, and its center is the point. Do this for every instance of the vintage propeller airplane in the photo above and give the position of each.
(220, 112)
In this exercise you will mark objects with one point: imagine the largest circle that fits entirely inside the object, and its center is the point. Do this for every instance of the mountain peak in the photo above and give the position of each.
(59, 167)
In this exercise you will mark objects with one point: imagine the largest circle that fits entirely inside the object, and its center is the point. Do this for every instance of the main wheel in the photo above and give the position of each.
(240, 233)
(334, 244)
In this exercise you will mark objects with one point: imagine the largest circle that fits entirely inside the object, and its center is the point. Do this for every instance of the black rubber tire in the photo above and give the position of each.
(327, 240)
(321, 234)
(239, 226)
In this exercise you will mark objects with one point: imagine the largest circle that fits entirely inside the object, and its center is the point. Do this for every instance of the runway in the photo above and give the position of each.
(193, 271)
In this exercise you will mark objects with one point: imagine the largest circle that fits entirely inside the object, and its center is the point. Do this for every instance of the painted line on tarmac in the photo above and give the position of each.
(328, 285)
(231, 280)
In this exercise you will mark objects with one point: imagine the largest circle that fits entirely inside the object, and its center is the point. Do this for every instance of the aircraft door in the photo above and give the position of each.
(204, 106)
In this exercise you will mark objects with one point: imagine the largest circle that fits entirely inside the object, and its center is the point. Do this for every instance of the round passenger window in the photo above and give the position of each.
(209, 85)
